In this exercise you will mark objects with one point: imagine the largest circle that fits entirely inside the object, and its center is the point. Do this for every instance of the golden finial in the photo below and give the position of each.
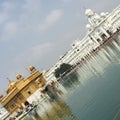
(31, 68)
(9, 80)
(18, 76)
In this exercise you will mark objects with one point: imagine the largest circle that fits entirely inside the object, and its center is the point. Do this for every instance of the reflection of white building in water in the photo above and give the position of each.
(99, 27)
(3, 113)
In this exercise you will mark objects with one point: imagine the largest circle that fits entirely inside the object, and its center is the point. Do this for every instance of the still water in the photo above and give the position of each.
(91, 92)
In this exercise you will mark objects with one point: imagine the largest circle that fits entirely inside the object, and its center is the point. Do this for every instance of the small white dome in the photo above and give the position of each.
(107, 13)
(89, 12)
(103, 14)
(88, 26)
(97, 17)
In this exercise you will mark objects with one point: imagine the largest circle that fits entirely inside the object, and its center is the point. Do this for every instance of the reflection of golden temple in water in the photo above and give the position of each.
(19, 90)
(59, 111)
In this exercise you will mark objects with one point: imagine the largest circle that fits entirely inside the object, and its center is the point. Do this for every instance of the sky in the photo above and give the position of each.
(38, 32)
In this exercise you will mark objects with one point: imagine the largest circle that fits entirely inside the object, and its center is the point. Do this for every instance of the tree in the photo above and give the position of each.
(62, 69)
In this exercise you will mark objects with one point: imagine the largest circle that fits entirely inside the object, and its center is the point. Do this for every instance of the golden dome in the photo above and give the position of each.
(31, 68)
(52, 82)
(18, 76)
(1, 96)
(11, 85)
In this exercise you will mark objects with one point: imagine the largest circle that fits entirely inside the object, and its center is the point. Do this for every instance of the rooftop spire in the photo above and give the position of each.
(93, 17)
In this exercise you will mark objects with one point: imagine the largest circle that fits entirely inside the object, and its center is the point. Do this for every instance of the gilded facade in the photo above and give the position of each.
(19, 90)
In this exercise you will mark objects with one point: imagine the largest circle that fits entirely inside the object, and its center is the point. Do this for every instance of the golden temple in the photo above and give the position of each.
(20, 89)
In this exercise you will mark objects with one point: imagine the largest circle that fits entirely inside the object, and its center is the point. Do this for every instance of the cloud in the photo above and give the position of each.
(7, 23)
(25, 20)
(51, 19)
(31, 6)
(53, 16)
(34, 54)
(14, 15)
(40, 50)
(66, 1)
(9, 30)
(29, 24)
(3, 18)
(8, 6)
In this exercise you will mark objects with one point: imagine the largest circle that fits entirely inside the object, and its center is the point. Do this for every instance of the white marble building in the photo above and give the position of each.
(99, 27)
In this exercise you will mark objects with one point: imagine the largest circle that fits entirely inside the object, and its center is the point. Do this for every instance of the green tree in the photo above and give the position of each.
(62, 69)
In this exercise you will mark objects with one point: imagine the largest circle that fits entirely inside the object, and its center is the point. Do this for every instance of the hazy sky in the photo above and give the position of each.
(37, 32)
